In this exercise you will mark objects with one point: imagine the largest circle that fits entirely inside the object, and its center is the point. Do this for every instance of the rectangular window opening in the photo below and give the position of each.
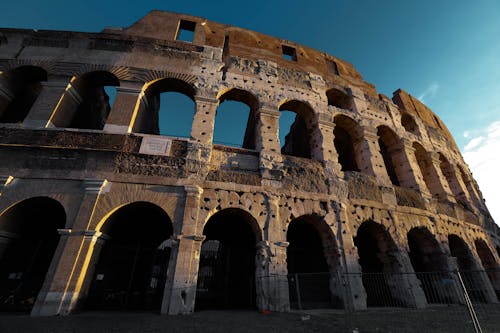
(289, 53)
(185, 32)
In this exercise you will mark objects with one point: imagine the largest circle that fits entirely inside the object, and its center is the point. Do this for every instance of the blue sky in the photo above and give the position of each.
(445, 52)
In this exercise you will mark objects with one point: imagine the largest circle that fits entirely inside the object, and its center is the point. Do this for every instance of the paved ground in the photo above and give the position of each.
(385, 320)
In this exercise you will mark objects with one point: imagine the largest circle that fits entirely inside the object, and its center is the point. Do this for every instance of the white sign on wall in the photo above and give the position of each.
(155, 146)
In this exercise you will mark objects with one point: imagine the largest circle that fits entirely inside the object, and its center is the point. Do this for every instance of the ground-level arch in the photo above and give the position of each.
(28, 239)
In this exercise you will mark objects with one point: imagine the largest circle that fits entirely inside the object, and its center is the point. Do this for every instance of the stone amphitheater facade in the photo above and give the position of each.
(99, 210)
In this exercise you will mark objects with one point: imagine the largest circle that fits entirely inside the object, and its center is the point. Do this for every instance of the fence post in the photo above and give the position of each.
(297, 290)
(470, 307)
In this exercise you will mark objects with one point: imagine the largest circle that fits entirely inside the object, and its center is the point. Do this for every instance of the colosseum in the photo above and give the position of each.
(362, 198)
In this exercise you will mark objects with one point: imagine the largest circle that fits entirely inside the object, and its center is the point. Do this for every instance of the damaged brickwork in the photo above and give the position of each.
(126, 218)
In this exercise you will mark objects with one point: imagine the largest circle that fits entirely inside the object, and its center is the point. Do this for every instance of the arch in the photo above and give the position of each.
(377, 256)
(226, 275)
(428, 172)
(28, 240)
(409, 123)
(430, 265)
(131, 269)
(299, 141)
(389, 144)
(467, 266)
(234, 106)
(469, 185)
(19, 88)
(339, 99)
(489, 264)
(347, 141)
(154, 105)
(85, 104)
(312, 262)
(451, 178)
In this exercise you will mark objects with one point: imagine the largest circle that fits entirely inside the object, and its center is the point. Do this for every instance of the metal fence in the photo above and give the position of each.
(401, 302)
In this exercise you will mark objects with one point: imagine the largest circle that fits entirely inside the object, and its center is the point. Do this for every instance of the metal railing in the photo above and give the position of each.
(447, 301)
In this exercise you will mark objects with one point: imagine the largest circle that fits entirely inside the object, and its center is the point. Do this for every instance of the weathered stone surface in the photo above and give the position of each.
(355, 165)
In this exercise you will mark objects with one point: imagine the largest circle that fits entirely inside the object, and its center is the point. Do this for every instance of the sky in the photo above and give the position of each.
(444, 52)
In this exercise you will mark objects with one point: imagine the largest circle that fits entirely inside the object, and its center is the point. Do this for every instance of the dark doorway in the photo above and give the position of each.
(132, 267)
(29, 237)
(430, 265)
(309, 273)
(377, 253)
(489, 264)
(467, 267)
(347, 136)
(226, 277)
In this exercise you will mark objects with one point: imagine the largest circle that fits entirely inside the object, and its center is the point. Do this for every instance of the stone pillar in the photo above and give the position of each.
(410, 175)
(271, 282)
(202, 130)
(267, 143)
(405, 287)
(125, 108)
(459, 187)
(199, 148)
(371, 161)
(45, 104)
(64, 112)
(6, 96)
(68, 277)
(439, 179)
(180, 289)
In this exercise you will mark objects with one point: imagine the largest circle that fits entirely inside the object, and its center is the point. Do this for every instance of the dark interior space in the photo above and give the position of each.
(132, 266)
(30, 238)
(227, 262)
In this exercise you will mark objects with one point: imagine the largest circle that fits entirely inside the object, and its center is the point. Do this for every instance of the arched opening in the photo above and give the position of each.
(339, 99)
(427, 170)
(468, 267)
(409, 123)
(498, 250)
(451, 178)
(347, 139)
(85, 104)
(312, 261)
(226, 277)
(28, 240)
(377, 254)
(470, 187)
(430, 265)
(132, 267)
(489, 264)
(388, 143)
(19, 88)
(230, 128)
(299, 140)
(167, 108)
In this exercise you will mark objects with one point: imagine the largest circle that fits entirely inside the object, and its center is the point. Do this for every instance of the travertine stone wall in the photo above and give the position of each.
(93, 173)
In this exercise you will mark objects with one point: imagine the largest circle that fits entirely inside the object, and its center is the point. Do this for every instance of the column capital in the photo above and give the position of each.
(193, 190)
(196, 238)
(206, 99)
(96, 186)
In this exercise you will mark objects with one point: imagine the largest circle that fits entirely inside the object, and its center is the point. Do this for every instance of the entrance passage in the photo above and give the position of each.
(377, 258)
(132, 267)
(28, 240)
(468, 268)
(226, 277)
(309, 273)
(430, 265)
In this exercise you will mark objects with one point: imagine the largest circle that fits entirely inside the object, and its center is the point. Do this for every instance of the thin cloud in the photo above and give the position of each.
(481, 153)
(429, 92)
